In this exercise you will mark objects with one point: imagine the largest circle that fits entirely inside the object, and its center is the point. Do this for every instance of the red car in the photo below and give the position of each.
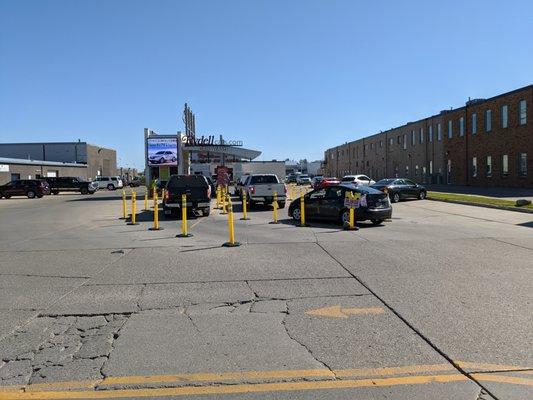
(328, 182)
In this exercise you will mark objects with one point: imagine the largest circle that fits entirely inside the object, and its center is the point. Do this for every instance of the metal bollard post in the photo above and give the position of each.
(146, 201)
(124, 211)
(302, 210)
(133, 208)
(244, 207)
(231, 227)
(156, 226)
(275, 209)
(184, 231)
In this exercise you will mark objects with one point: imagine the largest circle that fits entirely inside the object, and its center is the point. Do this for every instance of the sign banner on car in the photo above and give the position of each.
(162, 151)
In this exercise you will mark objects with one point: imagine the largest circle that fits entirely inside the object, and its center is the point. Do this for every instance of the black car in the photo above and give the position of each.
(71, 184)
(30, 188)
(401, 188)
(328, 203)
(195, 187)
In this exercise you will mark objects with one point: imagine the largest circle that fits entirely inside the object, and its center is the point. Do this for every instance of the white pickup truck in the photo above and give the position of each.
(260, 188)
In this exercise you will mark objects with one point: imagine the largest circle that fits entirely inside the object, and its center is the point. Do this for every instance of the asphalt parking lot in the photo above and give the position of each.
(434, 304)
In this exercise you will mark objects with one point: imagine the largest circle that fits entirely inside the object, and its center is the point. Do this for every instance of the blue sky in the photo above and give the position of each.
(289, 78)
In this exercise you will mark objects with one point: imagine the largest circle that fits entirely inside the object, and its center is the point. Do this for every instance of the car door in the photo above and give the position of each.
(312, 203)
(9, 189)
(411, 188)
(401, 188)
(333, 202)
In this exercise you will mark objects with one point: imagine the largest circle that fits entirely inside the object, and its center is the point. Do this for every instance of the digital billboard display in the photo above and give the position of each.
(163, 151)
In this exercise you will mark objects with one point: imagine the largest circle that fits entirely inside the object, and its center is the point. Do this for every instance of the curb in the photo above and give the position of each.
(468, 203)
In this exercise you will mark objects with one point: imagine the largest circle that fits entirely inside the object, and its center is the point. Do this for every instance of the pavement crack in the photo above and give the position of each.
(184, 312)
(284, 324)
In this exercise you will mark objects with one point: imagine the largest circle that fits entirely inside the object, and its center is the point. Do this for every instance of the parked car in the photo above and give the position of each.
(325, 182)
(239, 185)
(399, 189)
(30, 188)
(109, 182)
(291, 178)
(303, 180)
(260, 188)
(198, 192)
(328, 204)
(162, 157)
(136, 182)
(71, 184)
(357, 179)
(315, 182)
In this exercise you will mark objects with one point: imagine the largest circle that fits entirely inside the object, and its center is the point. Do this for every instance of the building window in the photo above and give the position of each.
(489, 166)
(421, 135)
(405, 142)
(430, 133)
(488, 120)
(381, 143)
(391, 141)
(522, 164)
(371, 146)
(416, 170)
(399, 139)
(505, 116)
(430, 167)
(407, 170)
(522, 112)
(413, 138)
(439, 132)
(474, 167)
(462, 126)
(474, 124)
(505, 165)
(450, 129)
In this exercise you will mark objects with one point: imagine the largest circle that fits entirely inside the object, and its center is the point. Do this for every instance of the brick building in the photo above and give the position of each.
(487, 142)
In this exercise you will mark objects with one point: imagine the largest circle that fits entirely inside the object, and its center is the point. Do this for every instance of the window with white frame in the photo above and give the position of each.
(522, 164)
(474, 124)
(430, 167)
(405, 142)
(505, 164)
(488, 120)
(522, 112)
(505, 116)
(413, 137)
(489, 166)
(421, 135)
(462, 126)
(474, 167)
(381, 143)
(439, 132)
(430, 133)
(450, 129)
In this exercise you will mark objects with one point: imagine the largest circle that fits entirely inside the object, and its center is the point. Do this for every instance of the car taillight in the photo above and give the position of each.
(252, 189)
(167, 194)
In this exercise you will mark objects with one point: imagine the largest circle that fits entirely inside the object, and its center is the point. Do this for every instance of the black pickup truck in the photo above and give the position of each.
(196, 188)
(71, 184)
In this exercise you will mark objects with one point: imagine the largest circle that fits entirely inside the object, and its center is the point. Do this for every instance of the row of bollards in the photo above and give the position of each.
(223, 203)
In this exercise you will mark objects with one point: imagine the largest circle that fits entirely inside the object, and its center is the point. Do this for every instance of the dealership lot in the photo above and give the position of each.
(436, 303)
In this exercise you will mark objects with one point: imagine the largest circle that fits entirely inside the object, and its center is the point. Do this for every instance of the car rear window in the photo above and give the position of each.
(187, 180)
(263, 179)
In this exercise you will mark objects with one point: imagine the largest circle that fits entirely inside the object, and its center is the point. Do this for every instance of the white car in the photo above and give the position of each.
(162, 157)
(303, 180)
(109, 182)
(357, 179)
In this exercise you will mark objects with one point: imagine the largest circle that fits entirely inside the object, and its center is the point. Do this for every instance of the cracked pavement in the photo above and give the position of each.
(89, 304)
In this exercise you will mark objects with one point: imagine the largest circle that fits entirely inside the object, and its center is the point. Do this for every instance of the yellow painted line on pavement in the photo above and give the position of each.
(493, 367)
(338, 312)
(197, 222)
(238, 388)
(503, 379)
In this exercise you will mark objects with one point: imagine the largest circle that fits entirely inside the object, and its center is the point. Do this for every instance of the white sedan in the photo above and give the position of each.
(358, 179)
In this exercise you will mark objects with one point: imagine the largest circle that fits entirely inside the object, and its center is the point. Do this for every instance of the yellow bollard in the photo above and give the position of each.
(133, 208)
(302, 209)
(351, 204)
(244, 207)
(146, 201)
(156, 226)
(124, 211)
(184, 231)
(231, 227)
(154, 196)
(163, 194)
(218, 197)
(224, 202)
(275, 209)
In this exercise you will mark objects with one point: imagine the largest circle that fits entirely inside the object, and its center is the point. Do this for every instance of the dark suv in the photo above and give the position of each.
(195, 187)
(25, 187)
(71, 184)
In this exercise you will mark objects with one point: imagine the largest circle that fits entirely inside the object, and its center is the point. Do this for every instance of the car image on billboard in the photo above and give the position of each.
(162, 152)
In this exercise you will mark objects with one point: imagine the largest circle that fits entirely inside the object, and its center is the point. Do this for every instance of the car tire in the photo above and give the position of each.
(55, 192)
(39, 196)
(7, 196)
(30, 194)
(394, 197)
(161, 160)
(84, 191)
(377, 221)
(296, 214)
(110, 187)
(281, 204)
(345, 217)
(422, 195)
